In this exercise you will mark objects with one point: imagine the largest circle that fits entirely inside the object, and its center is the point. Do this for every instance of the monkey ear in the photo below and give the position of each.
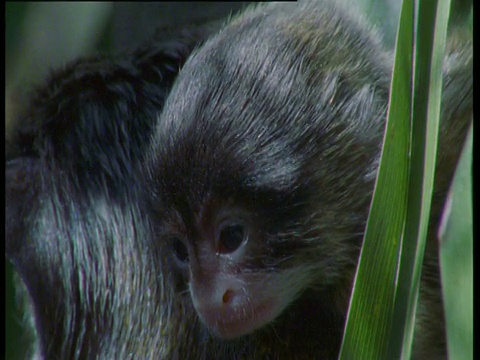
(21, 189)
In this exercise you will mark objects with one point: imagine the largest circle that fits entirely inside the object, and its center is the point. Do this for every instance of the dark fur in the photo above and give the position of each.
(82, 242)
(73, 230)
(283, 113)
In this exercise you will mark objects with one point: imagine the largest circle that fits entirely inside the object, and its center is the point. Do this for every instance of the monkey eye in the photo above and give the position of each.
(230, 238)
(180, 250)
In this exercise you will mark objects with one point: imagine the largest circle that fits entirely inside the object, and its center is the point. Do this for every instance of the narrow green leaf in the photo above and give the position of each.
(430, 38)
(370, 314)
(456, 259)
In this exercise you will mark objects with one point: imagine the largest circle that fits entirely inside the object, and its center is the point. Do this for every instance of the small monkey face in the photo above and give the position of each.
(224, 265)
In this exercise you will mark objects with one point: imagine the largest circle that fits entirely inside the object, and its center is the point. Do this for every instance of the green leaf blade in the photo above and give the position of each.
(432, 23)
(371, 306)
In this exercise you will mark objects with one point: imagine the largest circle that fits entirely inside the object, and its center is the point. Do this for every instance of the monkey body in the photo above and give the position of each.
(261, 174)
(74, 228)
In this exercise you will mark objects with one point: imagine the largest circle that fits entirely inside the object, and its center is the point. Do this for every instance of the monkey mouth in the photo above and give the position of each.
(234, 322)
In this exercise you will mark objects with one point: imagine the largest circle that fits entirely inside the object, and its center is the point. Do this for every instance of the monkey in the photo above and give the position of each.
(73, 228)
(99, 270)
(260, 175)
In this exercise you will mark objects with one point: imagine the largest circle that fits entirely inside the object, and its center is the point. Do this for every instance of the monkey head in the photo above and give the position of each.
(263, 162)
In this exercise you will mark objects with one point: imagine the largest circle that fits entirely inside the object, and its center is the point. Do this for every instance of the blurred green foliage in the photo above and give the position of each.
(456, 259)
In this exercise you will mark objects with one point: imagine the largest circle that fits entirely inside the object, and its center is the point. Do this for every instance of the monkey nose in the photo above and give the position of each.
(224, 292)
(228, 296)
